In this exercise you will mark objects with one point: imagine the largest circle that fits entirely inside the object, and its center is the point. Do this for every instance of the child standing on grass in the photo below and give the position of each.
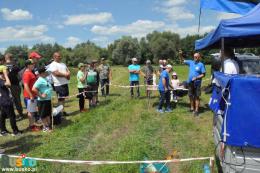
(6, 104)
(175, 83)
(81, 77)
(44, 91)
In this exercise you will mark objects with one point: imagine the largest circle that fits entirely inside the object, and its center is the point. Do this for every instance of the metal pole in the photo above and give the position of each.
(222, 53)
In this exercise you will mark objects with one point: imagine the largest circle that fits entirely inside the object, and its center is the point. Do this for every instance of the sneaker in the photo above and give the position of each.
(160, 111)
(84, 110)
(46, 129)
(196, 113)
(168, 110)
(4, 133)
(34, 128)
(17, 133)
(19, 118)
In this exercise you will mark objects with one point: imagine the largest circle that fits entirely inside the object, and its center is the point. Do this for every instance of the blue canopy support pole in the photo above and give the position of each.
(199, 21)
(222, 53)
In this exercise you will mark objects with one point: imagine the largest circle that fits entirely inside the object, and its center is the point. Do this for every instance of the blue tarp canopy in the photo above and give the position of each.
(242, 116)
(238, 32)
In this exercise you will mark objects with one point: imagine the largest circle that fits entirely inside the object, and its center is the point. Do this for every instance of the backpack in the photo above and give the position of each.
(92, 77)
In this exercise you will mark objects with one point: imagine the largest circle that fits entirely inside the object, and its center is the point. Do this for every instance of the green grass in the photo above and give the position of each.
(121, 129)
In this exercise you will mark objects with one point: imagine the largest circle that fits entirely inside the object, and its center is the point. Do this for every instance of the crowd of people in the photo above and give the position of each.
(167, 86)
(39, 82)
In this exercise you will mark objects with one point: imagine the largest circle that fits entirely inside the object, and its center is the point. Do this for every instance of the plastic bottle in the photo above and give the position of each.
(206, 168)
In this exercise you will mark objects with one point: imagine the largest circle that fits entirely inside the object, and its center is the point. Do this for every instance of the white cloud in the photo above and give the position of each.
(227, 16)
(136, 29)
(25, 33)
(171, 3)
(175, 10)
(101, 41)
(17, 14)
(72, 41)
(87, 19)
(191, 30)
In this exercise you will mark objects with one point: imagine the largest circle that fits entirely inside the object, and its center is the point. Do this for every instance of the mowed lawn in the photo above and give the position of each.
(121, 129)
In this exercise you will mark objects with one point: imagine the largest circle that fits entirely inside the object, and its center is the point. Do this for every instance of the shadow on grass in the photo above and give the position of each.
(114, 94)
(186, 105)
(22, 145)
(64, 123)
(104, 102)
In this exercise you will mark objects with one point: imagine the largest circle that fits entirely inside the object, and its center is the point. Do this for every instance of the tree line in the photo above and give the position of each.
(154, 46)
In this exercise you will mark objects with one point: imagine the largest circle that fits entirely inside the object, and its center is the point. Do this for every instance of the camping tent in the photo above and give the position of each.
(237, 33)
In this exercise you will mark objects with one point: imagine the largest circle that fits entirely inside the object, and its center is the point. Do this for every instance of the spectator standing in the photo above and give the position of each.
(164, 89)
(44, 91)
(6, 107)
(148, 73)
(197, 71)
(93, 82)
(29, 79)
(81, 78)
(15, 88)
(105, 74)
(134, 71)
(61, 77)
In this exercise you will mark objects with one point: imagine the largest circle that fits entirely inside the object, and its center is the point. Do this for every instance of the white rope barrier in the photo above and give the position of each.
(114, 162)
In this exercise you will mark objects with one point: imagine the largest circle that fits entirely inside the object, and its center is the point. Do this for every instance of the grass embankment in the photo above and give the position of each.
(120, 128)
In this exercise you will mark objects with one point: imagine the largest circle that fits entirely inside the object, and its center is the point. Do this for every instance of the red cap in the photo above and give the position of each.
(34, 55)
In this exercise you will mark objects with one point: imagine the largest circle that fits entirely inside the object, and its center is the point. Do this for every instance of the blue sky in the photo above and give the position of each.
(69, 22)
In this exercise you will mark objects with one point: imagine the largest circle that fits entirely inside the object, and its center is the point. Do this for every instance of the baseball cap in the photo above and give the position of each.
(81, 65)
(134, 59)
(34, 55)
(169, 66)
(174, 74)
(42, 70)
(28, 62)
(148, 61)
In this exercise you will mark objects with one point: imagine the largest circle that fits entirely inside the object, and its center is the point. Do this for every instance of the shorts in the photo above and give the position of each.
(62, 91)
(149, 82)
(194, 89)
(33, 107)
(93, 88)
(44, 108)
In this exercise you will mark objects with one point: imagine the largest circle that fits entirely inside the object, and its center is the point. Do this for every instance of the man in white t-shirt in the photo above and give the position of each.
(61, 76)
(230, 65)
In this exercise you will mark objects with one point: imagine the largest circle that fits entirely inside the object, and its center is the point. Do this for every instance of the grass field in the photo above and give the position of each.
(121, 129)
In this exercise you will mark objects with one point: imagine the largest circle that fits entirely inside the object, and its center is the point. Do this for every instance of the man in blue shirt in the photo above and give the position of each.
(164, 89)
(134, 71)
(197, 71)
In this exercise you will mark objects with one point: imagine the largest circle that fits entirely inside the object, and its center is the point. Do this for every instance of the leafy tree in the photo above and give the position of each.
(20, 53)
(126, 48)
(164, 45)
